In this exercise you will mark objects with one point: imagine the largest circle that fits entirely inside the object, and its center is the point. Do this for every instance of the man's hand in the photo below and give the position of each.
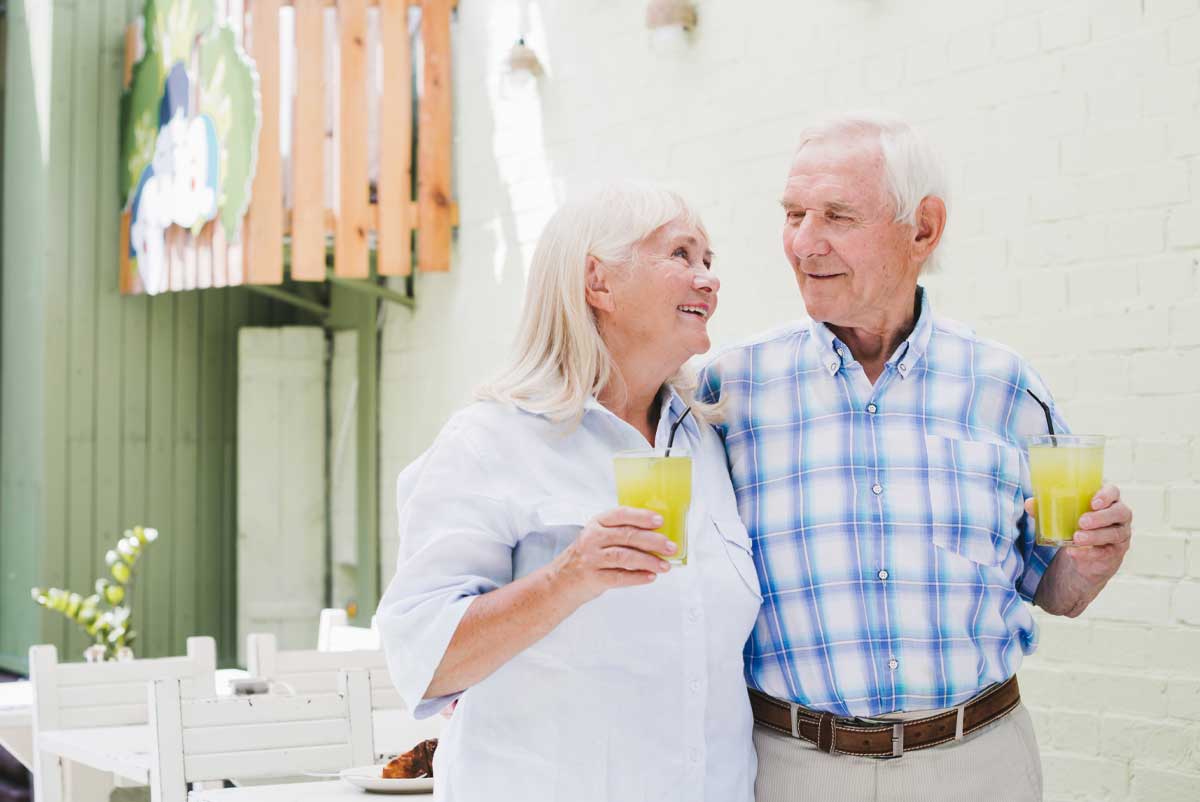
(1078, 573)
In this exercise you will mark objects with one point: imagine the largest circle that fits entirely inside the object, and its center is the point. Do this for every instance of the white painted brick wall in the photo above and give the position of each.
(1071, 129)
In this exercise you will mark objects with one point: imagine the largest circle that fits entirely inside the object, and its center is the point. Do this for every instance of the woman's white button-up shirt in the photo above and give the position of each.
(640, 693)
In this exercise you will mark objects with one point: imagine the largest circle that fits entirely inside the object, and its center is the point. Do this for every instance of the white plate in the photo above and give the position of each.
(370, 778)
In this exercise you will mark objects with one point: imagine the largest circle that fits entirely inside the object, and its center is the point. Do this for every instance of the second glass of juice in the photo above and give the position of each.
(650, 480)
(1066, 471)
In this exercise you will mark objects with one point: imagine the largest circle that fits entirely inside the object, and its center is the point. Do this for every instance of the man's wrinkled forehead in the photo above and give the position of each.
(842, 170)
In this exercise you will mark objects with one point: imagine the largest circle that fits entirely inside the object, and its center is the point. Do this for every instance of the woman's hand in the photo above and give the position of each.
(616, 549)
(613, 550)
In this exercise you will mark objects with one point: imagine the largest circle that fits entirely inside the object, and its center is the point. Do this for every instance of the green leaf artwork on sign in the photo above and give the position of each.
(229, 94)
(190, 122)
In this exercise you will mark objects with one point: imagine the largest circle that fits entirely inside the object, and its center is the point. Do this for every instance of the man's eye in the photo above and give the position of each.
(839, 218)
(681, 252)
(795, 215)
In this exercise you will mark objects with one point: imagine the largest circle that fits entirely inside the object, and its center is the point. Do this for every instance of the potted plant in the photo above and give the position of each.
(106, 614)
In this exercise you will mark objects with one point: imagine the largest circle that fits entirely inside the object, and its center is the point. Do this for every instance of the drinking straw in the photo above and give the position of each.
(675, 428)
(1049, 420)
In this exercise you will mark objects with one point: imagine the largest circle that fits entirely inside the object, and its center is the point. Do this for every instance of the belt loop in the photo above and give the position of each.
(958, 726)
(898, 739)
(823, 743)
(795, 713)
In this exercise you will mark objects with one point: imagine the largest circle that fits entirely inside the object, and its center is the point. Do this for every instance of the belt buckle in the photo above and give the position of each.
(898, 739)
(794, 712)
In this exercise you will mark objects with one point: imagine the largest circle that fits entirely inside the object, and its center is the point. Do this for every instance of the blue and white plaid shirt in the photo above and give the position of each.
(888, 526)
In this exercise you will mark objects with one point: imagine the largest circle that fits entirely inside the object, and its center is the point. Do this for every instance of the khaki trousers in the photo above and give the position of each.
(999, 763)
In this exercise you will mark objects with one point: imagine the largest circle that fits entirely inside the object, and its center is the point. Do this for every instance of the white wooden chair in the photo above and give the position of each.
(74, 696)
(334, 633)
(307, 671)
(312, 671)
(206, 740)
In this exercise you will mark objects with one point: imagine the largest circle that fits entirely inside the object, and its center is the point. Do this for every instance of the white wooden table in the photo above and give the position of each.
(122, 751)
(335, 791)
(16, 720)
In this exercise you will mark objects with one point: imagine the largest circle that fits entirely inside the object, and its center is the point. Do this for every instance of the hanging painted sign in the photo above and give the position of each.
(190, 123)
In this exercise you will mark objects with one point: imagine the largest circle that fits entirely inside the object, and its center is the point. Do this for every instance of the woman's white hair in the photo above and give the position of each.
(913, 169)
(560, 358)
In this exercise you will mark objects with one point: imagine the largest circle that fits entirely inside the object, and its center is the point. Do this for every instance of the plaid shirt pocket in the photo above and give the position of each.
(974, 497)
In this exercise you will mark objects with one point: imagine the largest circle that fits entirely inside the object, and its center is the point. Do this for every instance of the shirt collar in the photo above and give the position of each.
(591, 404)
(835, 355)
(672, 408)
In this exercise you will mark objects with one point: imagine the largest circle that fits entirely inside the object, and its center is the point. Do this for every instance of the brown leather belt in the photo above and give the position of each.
(851, 736)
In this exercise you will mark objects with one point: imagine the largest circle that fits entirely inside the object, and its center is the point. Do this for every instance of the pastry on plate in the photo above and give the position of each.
(416, 762)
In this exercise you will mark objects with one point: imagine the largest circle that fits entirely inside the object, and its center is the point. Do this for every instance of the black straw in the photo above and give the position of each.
(1046, 409)
(675, 428)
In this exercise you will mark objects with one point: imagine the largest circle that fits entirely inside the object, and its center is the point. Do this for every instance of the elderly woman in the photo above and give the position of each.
(586, 667)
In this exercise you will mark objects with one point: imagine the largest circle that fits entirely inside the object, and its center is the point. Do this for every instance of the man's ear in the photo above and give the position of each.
(596, 290)
(930, 223)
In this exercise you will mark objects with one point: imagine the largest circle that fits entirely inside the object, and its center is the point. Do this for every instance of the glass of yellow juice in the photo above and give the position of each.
(1066, 471)
(650, 480)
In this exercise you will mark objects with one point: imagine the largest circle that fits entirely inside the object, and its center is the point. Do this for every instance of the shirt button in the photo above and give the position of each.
(883, 574)
(903, 367)
(694, 614)
(841, 352)
(694, 755)
(694, 685)
(877, 489)
(833, 366)
(872, 408)
(893, 664)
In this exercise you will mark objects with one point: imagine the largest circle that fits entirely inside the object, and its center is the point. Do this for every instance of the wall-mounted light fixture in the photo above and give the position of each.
(669, 22)
(522, 59)
(671, 14)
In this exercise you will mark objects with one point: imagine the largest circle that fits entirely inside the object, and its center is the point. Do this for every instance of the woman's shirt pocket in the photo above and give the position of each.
(975, 498)
(736, 542)
(553, 526)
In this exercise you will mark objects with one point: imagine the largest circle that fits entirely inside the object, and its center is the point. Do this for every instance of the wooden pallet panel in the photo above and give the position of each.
(394, 225)
(351, 254)
(434, 143)
(308, 145)
(265, 219)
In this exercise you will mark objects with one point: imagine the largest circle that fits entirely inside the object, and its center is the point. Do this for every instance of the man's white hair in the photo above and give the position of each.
(913, 169)
(560, 357)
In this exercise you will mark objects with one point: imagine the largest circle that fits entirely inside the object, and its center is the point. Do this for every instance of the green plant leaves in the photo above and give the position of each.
(104, 615)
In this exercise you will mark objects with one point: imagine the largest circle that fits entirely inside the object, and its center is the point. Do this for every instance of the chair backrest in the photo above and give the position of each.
(312, 671)
(201, 740)
(112, 694)
(334, 633)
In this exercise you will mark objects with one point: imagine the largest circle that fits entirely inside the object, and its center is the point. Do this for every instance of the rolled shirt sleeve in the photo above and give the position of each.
(1037, 560)
(456, 542)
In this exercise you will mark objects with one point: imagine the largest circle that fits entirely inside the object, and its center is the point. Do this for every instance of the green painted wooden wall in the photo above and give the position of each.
(113, 411)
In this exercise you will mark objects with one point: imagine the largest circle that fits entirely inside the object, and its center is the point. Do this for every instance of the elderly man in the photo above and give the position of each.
(879, 458)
